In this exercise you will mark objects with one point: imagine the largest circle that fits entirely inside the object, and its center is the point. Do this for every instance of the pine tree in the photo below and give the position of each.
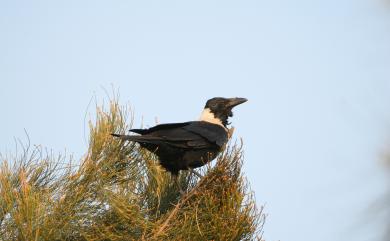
(118, 191)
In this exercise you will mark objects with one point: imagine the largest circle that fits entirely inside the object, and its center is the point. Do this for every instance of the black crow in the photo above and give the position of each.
(188, 145)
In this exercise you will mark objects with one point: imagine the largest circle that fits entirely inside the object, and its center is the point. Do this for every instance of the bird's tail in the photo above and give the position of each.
(143, 139)
(126, 137)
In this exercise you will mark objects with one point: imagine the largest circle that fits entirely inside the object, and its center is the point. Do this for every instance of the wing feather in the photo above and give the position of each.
(192, 135)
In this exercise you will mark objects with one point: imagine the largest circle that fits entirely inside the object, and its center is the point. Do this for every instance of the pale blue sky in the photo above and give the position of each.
(316, 73)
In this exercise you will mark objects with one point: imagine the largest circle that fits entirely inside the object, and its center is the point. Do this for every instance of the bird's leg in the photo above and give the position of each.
(195, 172)
(176, 178)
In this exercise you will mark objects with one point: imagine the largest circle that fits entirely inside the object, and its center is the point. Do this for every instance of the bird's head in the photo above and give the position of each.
(217, 110)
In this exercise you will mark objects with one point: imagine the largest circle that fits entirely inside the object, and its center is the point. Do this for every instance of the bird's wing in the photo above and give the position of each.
(192, 135)
(160, 128)
(211, 132)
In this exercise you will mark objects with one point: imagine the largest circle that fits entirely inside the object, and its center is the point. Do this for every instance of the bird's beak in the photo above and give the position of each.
(236, 101)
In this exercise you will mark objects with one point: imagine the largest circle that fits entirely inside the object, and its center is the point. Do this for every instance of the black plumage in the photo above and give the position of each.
(189, 145)
(183, 145)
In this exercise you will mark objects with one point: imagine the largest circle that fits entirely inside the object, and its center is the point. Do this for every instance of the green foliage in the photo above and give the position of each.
(119, 192)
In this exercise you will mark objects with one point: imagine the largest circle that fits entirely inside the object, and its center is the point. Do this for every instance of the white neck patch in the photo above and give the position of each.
(208, 116)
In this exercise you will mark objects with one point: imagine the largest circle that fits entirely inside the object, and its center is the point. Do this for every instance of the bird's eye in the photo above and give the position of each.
(215, 106)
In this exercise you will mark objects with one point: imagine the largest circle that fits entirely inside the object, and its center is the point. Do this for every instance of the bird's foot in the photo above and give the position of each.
(195, 173)
(182, 192)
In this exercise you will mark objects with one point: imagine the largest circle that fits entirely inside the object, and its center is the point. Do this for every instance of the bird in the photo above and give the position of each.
(192, 144)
